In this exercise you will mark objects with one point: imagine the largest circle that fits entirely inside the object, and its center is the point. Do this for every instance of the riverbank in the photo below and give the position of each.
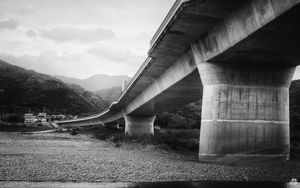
(84, 158)
(21, 127)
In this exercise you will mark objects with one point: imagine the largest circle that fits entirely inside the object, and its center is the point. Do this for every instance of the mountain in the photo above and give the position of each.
(21, 90)
(96, 82)
(110, 95)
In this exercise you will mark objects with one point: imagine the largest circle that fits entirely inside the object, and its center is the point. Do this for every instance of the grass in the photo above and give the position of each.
(182, 140)
(179, 140)
(20, 127)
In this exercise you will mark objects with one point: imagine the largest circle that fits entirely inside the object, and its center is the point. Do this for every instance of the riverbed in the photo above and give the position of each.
(61, 157)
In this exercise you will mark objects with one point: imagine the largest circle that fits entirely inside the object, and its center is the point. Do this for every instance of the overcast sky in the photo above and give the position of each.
(79, 38)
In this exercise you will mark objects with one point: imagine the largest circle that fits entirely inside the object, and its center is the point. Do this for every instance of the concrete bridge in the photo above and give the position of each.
(238, 55)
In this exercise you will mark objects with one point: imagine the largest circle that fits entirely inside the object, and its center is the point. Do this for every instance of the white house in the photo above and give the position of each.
(29, 118)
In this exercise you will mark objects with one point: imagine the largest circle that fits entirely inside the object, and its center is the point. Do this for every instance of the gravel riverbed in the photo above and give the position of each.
(63, 157)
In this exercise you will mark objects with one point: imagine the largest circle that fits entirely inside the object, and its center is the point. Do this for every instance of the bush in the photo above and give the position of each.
(104, 133)
(74, 131)
(182, 140)
(176, 139)
(15, 118)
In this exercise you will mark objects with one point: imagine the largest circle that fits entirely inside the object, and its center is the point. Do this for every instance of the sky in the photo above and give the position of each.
(79, 38)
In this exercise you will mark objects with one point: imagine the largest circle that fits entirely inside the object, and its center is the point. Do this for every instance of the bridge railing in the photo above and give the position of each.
(86, 118)
(167, 19)
(149, 60)
(142, 68)
(129, 86)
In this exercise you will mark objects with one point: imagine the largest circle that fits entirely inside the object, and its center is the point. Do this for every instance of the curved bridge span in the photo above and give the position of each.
(239, 56)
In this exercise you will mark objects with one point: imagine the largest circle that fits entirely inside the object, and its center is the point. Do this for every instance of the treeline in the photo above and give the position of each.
(186, 117)
(23, 90)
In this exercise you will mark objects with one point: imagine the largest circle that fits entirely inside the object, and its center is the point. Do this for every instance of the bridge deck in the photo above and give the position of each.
(208, 23)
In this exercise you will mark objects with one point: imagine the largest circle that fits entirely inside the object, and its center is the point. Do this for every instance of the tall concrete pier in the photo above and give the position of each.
(245, 109)
(241, 54)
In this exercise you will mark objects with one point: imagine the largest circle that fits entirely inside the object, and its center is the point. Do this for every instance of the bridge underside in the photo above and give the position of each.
(187, 90)
(241, 55)
(246, 75)
(275, 43)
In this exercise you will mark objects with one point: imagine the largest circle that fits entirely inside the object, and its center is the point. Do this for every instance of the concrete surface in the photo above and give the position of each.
(245, 109)
(243, 112)
(139, 125)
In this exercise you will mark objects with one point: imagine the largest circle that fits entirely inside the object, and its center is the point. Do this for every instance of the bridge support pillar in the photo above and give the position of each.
(139, 125)
(245, 110)
(112, 124)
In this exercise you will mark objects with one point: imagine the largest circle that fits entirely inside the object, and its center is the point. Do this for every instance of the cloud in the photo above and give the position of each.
(65, 34)
(9, 23)
(31, 33)
(48, 62)
(78, 65)
(28, 61)
(71, 27)
(114, 54)
(116, 59)
(25, 11)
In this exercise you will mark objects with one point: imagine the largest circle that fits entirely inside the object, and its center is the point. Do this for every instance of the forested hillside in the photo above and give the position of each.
(110, 95)
(96, 82)
(21, 90)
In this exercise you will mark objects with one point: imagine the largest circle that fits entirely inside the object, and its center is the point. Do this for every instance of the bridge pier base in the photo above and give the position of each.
(245, 110)
(139, 125)
(112, 124)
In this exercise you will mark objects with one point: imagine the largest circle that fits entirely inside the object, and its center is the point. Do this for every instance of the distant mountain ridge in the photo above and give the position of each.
(110, 94)
(96, 82)
(23, 89)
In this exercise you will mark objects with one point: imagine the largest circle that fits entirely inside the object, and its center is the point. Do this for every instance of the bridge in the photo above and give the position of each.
(238, 55)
